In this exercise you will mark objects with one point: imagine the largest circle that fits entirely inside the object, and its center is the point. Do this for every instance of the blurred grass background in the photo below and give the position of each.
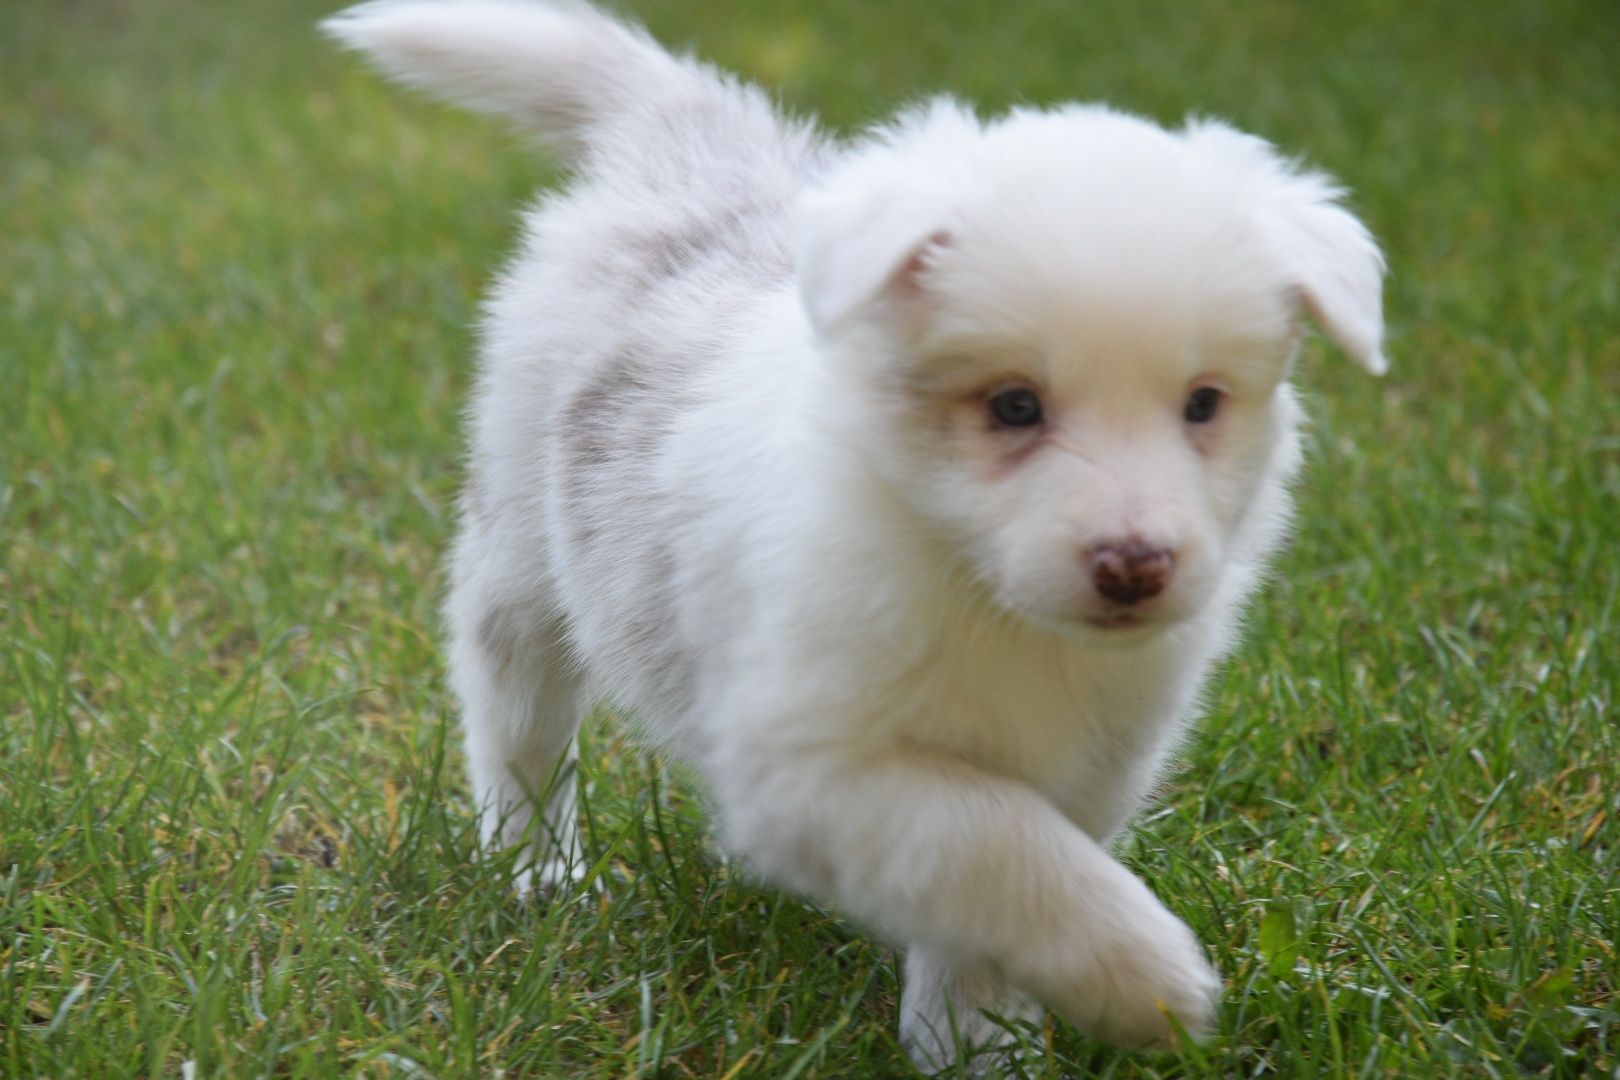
(236, 279)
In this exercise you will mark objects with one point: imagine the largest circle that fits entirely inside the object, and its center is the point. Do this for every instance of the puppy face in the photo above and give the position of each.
(1095, 462)
(1077, 376)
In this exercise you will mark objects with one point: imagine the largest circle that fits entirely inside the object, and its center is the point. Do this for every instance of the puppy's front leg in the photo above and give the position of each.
(946, 1004)
(974, 867)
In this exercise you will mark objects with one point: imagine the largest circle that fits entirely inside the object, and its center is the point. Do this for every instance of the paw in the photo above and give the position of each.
(550, 879)
(1146, 978)
(1129, 979)
(945, 1018)
(998, 1053)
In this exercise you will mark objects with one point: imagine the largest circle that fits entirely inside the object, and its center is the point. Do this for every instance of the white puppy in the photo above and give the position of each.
(905, 489)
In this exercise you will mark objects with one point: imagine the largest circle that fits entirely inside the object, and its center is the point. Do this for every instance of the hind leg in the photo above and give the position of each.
(521, 705)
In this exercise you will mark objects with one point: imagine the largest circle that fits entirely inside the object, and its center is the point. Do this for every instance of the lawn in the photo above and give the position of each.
(236, 278)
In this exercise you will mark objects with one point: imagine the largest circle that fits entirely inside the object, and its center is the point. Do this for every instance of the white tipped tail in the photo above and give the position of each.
(554, 67)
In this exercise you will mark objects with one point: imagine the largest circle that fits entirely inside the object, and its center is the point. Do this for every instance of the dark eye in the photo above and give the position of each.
(1016, 408)
(1202, 405)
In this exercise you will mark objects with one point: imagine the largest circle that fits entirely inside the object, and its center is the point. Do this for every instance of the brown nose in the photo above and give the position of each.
(1130, 571)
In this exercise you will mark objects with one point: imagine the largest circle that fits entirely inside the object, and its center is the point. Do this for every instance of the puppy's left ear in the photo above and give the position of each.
(1333, 260)
(866, 255)
(1337, 266)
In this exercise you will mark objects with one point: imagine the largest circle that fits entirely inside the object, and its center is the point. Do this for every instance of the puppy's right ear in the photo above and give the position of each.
(867, 255)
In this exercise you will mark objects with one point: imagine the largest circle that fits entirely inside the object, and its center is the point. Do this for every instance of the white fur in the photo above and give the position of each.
(733, 467)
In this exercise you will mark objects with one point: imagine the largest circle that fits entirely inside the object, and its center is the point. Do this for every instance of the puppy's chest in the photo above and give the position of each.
(1087, 732)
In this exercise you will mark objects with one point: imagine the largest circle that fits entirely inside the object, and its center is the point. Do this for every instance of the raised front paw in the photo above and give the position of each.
(1148, 976)
(1129, 976)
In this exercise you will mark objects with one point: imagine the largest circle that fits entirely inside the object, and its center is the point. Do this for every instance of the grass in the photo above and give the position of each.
(236, 275)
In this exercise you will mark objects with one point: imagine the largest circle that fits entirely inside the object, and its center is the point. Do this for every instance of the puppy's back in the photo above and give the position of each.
(623, 298)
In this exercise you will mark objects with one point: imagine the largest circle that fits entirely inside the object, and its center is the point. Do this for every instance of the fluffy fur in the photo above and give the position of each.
(736, 466)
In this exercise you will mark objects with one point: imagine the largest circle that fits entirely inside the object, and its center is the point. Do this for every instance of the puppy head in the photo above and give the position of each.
(1071, 332)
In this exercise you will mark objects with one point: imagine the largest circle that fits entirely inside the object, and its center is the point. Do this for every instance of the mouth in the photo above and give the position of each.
(1118, 620)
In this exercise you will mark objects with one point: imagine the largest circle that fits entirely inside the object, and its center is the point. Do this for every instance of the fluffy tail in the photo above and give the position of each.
(556, 67)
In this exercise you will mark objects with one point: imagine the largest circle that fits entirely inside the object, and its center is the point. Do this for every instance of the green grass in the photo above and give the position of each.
(236, 276)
